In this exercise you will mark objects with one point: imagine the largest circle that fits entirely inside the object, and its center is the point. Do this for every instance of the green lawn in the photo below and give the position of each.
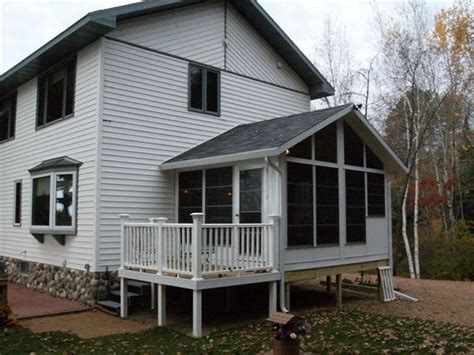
(331, 331)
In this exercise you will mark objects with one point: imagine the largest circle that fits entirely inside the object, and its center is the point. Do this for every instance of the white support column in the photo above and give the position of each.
(123, 219)
(123, 297)
(197, 313)
(197, 245)
(272, 297)
(161, 305)
(275, 243)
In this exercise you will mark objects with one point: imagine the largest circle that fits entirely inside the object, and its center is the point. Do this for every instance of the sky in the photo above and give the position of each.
(27, 25)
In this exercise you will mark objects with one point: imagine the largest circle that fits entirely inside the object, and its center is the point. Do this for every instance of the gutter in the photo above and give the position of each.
(280, 249)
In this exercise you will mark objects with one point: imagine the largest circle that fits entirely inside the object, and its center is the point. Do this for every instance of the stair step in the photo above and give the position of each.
(112, 305)
(138, 284)
(129, 294)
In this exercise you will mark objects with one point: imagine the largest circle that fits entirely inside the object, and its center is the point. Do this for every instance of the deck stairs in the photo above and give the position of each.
(138, 292)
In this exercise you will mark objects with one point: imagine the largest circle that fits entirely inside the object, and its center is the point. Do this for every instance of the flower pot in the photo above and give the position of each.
(286, 347)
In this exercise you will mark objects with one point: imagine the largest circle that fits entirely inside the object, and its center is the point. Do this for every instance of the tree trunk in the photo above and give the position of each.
(405, 234)
(415, 215)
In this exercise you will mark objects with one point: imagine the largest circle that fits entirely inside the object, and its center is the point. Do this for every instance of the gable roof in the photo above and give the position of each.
(273, 137)
(97, 24)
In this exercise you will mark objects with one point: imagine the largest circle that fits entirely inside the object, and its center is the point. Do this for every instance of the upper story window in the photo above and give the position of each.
(7, 118)
(56, 94)
(204, 90)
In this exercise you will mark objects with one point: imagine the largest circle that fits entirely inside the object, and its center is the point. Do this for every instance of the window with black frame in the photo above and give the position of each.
(300, 204)
(7, 118)
(355, 206)
(17, 209)
(327, 206)
(204, 90)
(56, 91)
(190, 195)
(325, 144)
(218, 195)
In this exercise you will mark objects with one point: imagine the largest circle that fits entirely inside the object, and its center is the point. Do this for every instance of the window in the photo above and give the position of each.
(327, 205)
(41, 201)
(353, 147)
(54, 203)
(190, 195)
(204, 90)
(7, 118)
(219, 195)
(372, 160)
(355, 206)
(375, 195)
(301, 150)
(250, 196)
(56, 94)
(300, 204)
(17, 210)
(325, 144)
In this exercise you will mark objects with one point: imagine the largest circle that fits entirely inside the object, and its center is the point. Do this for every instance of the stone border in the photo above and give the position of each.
(77, 285)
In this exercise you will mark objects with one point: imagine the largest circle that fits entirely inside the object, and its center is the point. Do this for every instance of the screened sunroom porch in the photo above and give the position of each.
(265, 201)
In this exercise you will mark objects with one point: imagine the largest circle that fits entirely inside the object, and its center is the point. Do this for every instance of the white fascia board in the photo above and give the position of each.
(220, 159)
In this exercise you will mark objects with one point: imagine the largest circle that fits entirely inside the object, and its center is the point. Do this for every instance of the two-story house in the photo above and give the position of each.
(197, 112)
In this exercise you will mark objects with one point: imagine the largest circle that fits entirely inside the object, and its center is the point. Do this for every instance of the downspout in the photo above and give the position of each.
(281, 246)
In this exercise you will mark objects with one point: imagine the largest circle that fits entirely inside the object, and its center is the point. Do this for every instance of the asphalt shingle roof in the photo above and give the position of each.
(256, 136)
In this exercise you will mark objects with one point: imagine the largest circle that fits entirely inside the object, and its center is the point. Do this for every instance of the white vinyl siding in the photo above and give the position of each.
(146, 121)
(198, 33)
(249, 54)
(74, 137)
(194, 32)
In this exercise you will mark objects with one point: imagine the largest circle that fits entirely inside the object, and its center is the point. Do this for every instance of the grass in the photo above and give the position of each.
(331, 332)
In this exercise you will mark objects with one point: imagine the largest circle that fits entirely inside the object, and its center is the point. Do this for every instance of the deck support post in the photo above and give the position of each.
(152, 295)
(339, 291)
(272, 297)
(288, 295)
(123, 297)
(161, 305)
(328, 284)
(197, 313)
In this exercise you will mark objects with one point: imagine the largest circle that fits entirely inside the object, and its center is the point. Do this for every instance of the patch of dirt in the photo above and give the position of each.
(445, 301)
(85, 325)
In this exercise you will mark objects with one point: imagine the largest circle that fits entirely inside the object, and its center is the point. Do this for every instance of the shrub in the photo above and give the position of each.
(449, 255)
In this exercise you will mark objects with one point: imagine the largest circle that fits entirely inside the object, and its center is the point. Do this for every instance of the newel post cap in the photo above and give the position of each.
(273, 217)
(197, 216)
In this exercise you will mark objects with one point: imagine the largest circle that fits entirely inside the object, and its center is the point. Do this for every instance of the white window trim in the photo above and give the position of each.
(52, 228)
(15, 184)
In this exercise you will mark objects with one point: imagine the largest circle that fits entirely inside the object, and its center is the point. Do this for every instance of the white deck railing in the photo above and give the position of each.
(198, 249)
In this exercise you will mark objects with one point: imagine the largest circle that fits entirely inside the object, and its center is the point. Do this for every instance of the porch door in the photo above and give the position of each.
(249, 195)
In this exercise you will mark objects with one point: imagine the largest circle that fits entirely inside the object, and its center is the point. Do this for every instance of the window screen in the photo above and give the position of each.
(301, 150)
(375, 194)
(327, 206)
(325, 144)
(353, 147)
(250, 196)
(190, 195)
(372, 160)
(355, 206)
(300, 204)
(219, 195)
